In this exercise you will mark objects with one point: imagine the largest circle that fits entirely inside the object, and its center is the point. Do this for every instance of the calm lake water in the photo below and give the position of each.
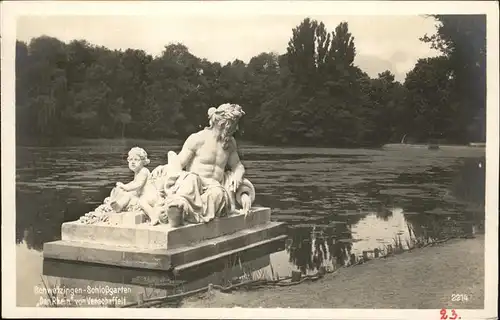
(336, 202)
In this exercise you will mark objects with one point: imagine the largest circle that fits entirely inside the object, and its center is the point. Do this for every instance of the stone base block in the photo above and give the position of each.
(162, 236)
(166, 258)
(223, 260)
(253, 259)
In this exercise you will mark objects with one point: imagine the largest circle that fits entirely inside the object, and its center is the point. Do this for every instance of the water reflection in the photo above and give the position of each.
(309, 248)
(72, 284)
(337, 202)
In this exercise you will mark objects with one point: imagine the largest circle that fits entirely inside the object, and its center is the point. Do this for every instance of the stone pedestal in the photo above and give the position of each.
(250, 260)
(161, 247)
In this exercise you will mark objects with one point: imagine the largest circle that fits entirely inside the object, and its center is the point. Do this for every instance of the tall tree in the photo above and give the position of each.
(462, 39)
(385, 109)
(24, 116)
(307, 53)
(46, 86)
(430, 100)
(344, 99)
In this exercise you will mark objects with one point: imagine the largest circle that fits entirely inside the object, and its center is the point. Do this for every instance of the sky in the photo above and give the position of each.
(382, 42)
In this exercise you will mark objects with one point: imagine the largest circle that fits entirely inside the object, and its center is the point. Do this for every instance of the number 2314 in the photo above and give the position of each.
(459, 297)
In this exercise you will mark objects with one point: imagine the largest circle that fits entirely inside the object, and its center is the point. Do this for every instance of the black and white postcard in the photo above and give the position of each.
(240, 159)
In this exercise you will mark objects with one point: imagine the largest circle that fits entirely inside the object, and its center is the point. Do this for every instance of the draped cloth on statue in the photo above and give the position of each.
(202, 199)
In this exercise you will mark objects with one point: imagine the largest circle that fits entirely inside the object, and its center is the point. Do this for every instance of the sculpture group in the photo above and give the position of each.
(204, 181)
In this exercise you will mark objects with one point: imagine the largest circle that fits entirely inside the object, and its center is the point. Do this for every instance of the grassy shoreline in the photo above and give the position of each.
(424, 278)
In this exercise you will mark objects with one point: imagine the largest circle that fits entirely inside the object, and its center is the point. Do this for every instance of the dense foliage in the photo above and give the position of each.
(312, 94)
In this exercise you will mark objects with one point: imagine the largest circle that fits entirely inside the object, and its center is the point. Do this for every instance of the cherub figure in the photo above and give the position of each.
(139, 191)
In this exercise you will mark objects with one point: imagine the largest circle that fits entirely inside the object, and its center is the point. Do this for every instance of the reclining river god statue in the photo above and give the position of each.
(194, 186)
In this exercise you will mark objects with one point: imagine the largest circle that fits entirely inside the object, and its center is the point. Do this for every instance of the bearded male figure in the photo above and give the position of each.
(197, 184)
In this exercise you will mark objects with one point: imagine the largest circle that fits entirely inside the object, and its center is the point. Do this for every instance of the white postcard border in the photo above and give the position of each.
(12, 9)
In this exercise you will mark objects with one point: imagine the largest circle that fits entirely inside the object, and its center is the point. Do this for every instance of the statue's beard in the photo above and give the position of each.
(224, 135)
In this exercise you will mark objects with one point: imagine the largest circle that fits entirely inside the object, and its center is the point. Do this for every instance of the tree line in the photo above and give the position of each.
(312, 94)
